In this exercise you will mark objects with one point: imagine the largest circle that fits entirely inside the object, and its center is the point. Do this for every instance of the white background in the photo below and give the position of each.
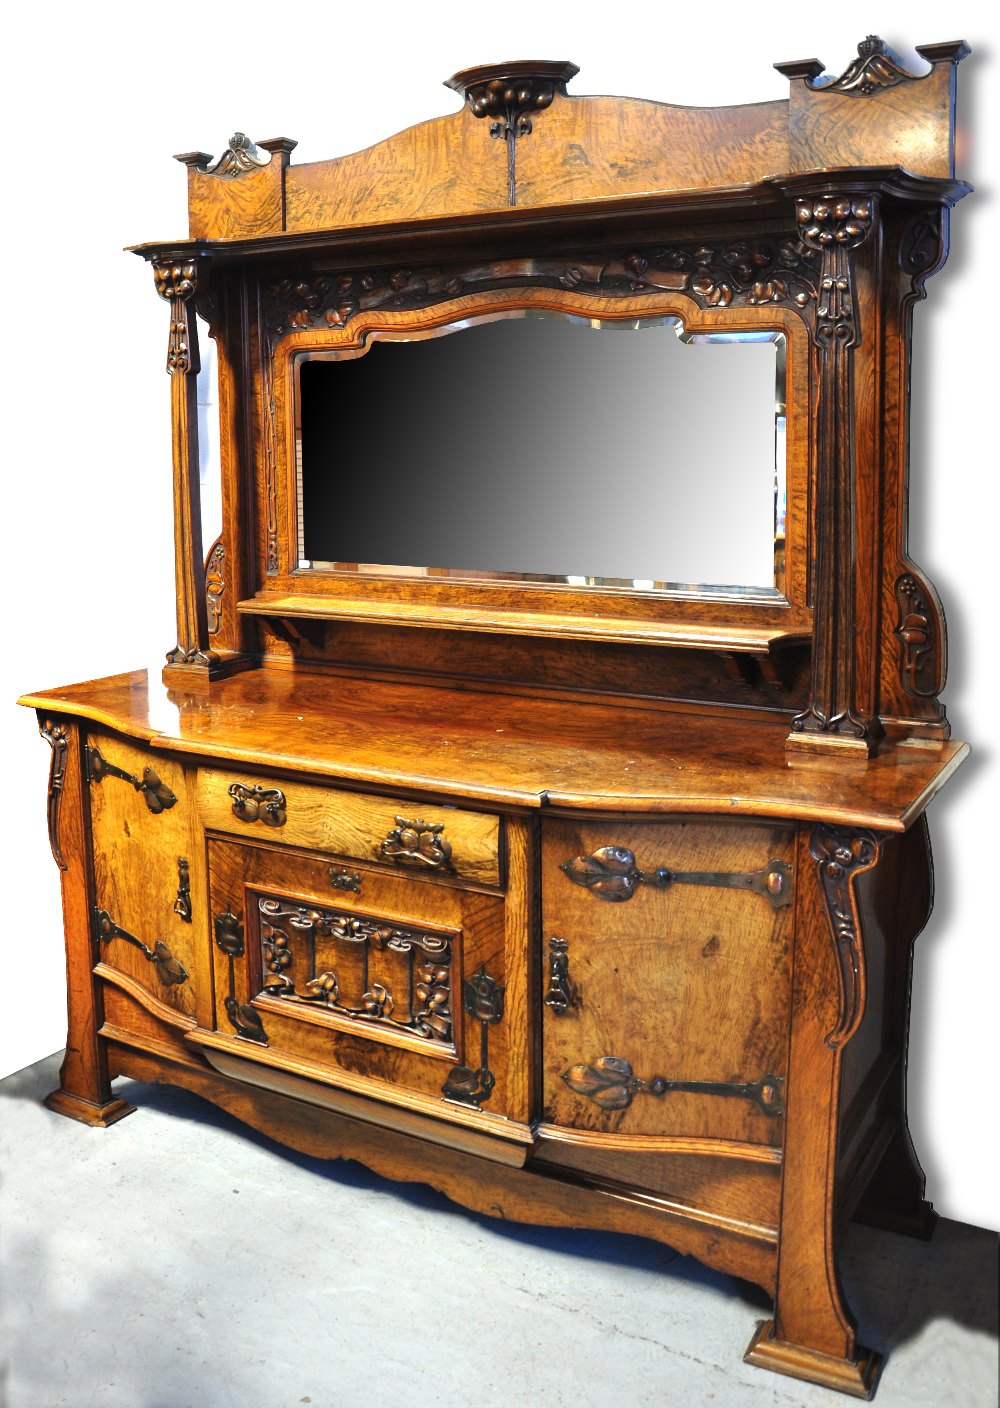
(97, 101)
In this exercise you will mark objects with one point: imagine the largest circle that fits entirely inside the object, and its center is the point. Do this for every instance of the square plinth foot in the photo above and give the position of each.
(857, 1377)
(87, 1112)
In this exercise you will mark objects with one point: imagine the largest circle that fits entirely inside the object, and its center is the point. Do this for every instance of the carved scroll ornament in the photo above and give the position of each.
(841, 856)
(56, 735)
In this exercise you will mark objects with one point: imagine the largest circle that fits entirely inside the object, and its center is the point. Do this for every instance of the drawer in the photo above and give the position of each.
(394, 990)
(437, 840)
(666, 980)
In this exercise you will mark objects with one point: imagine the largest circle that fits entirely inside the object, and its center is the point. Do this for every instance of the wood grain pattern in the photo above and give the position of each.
(511, 751)
(354, 825)
(686, 983)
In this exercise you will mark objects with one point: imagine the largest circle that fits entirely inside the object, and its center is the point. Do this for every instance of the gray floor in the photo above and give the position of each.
(179, 1261)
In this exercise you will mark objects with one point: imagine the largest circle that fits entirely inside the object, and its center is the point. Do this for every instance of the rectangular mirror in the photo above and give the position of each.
(549, 448)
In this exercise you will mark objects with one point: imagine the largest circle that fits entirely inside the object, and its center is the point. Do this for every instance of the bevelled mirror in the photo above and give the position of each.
(550, 448)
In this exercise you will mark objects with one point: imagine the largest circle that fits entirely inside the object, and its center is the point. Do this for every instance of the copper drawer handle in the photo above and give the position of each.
(264, 804)
(418, 843)
(611, 873)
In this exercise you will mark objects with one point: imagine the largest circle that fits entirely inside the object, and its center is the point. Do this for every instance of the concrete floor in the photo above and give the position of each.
(178, 1260)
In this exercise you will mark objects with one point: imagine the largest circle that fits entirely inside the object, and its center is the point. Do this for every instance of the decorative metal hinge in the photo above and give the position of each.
(561, 993)
(482, 998)
(244, 1018)
(611, 873)
(416, 843)
(264, 804)
(611, 1083)
(156, 794)
(168, 969)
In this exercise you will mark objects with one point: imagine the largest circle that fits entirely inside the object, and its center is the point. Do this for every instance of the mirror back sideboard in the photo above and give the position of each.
(466, 834)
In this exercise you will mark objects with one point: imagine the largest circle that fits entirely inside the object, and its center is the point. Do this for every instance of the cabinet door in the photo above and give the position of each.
(667, 977)
(386, 985)
(150, 917)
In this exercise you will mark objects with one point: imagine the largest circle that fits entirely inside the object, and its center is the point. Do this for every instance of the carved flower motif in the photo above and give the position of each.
(324, 987)
(276, 952)
(378, 1001)
(772, 290)
(432, 990)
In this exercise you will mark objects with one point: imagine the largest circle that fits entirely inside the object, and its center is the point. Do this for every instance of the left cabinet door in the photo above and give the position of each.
(150, 914)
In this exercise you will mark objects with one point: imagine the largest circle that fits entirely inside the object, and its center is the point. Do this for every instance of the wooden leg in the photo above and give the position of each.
(812, 1334)
(84, 1087)
(895, 1199)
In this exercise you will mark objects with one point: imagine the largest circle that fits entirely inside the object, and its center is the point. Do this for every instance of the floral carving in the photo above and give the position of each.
(876, 67)
(215, 585)
(840, 857)
(419, 1001)
(833, 227)
(919, 667)
(740, 273)
(56, 735)
(241, 155)
(177, 283)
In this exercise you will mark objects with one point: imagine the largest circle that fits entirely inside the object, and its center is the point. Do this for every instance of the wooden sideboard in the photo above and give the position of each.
(587, 902)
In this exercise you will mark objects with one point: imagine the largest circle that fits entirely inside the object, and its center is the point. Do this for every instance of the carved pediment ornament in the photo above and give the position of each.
(875, 67)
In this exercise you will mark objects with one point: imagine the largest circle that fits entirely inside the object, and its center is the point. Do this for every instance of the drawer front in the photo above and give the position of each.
(437, 841)
(666, 977)
(394, 989)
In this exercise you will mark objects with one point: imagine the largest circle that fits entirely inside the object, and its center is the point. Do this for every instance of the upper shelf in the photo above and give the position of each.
(521, 141)
(758, 641)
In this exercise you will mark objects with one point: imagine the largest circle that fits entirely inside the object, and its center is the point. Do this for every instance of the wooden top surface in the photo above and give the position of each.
(509, 750)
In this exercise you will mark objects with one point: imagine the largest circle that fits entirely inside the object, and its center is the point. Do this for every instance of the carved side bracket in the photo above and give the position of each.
(841, 856)
(215, 585)
(56, 735)
(156, 794)
(921, 640)
(168, 969)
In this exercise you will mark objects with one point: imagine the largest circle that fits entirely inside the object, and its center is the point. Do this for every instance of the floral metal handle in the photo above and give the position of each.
(263, 804)
(416, 843)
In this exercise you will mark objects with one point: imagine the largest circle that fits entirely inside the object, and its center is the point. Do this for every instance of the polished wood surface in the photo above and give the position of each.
(587, 906)
(506, 750)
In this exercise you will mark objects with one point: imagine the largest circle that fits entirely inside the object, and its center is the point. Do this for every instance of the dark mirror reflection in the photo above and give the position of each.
(549, 448)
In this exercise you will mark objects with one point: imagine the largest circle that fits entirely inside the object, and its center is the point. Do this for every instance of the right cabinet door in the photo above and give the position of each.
(666, 977)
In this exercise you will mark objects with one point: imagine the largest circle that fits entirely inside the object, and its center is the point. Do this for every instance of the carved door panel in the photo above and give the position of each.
(666, 979)
(385, 985)
(150, 919)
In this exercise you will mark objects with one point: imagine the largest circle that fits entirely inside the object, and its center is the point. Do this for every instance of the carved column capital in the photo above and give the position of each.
(834, 226)
(177, 281)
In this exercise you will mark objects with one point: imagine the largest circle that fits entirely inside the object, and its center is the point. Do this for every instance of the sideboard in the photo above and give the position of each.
(568, 873)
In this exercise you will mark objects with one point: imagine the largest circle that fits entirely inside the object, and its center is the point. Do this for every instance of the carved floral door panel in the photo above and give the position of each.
(367, 980)
(666, 979)
(149, 916)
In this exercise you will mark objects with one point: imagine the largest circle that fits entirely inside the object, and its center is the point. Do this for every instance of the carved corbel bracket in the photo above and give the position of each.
(508, 95)
(177, 283)
(841, 856)
(56, 735)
